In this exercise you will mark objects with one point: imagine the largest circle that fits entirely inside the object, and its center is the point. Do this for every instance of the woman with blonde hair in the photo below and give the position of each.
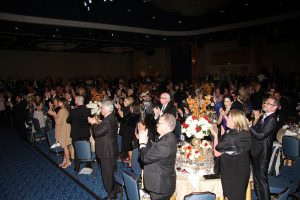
(233, 149)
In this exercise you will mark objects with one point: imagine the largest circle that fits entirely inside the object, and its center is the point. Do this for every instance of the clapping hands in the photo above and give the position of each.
(143, 136)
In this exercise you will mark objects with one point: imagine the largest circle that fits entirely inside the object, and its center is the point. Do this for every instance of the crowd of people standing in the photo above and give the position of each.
(147, 112)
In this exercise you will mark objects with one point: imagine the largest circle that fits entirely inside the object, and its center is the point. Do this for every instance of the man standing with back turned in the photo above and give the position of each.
(263, 132)
(159, 159)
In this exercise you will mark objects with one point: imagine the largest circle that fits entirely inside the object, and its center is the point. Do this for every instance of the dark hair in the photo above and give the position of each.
(66, 104)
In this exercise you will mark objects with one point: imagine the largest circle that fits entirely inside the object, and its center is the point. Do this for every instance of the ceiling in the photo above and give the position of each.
(122, 26)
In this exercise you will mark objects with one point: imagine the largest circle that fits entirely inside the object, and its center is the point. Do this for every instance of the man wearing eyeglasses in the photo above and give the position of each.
(166, 106)
(159, 159)
(263, 132)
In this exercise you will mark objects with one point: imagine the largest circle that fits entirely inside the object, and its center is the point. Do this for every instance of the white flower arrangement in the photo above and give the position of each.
(95, 107)
(196, 127)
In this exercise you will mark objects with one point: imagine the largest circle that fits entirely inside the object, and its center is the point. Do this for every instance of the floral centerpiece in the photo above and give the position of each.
(196, 152)
(95, 103)
(196, 129)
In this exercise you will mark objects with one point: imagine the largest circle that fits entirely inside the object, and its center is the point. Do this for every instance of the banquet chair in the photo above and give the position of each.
(131, 187)
(51, 140)
(83, 154)
(280, 194)
(200, 196)
(275, 160)
(288, 179)
(39, 132)
(290, 147)
(135, 164)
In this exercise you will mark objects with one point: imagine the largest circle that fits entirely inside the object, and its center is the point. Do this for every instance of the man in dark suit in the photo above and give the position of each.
(19, 114)
(105, 135)
(78, 118)
(166, 106)
(263, 132)
(159, 159)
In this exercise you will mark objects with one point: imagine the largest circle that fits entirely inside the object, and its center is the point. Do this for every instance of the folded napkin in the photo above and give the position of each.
(290, 133)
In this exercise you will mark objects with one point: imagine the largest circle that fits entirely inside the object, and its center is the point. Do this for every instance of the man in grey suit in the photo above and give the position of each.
(159, 159)
(263, 133)
(105, 135)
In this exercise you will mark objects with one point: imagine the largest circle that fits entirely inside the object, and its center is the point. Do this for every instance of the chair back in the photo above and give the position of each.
(290, 147)
(131, 187)
(36, 124)
(274, 158)
(83, 150)
(283, 195)
(135, 164)
(296, 172)
(51, 137)
(200, 196)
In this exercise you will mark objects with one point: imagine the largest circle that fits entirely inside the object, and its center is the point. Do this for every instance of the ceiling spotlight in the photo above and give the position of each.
(153, 17)
(84, 3)
(222, 11)
(16, 28)
(165, 39)
(112, 35)
(246, 4)
(90, 1)
(179, 21)
(129, 10)
(147, 36)
(88, 8)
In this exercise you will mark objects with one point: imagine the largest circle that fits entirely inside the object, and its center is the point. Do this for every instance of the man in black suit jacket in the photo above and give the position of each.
(166, 106)
(105, 135)
(78, 118)
(159, 159)
(19, 113)
(263, 132)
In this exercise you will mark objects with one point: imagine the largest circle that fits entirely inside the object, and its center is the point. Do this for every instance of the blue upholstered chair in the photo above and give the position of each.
(39, 132)
(287, 178)
(131, 186)
(135, 164)
(200, 196)
(51, 140)
(279, 193)
(290, 147)
(83, 154)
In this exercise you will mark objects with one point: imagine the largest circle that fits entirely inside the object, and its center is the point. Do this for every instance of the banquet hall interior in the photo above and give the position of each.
(116, 49)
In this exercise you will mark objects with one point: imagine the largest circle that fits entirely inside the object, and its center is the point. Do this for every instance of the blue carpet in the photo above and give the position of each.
(26, 174)
(92, 182)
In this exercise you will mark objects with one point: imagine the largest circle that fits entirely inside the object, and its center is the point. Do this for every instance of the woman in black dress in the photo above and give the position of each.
(233, 149)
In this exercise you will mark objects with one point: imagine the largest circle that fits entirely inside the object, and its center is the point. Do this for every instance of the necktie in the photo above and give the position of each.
(162, 109)
(263, 119)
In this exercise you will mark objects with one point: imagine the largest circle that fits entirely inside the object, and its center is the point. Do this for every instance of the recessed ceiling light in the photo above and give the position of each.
(165, 39)
(112, 35)
(222, 11)
(16, 28)
(153, 17)
(179, 21)
(147, 36)
(129, 10)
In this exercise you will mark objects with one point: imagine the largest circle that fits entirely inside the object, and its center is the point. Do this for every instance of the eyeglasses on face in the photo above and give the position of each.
(163, 98)
(269, 104)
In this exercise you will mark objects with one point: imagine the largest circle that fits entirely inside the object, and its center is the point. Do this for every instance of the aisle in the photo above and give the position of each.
(26, 174)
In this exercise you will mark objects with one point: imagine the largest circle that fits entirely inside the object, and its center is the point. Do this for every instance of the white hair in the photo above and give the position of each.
(108, 106)
(80, 100)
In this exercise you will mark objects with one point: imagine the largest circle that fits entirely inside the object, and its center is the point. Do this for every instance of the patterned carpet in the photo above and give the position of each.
(26, 174)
